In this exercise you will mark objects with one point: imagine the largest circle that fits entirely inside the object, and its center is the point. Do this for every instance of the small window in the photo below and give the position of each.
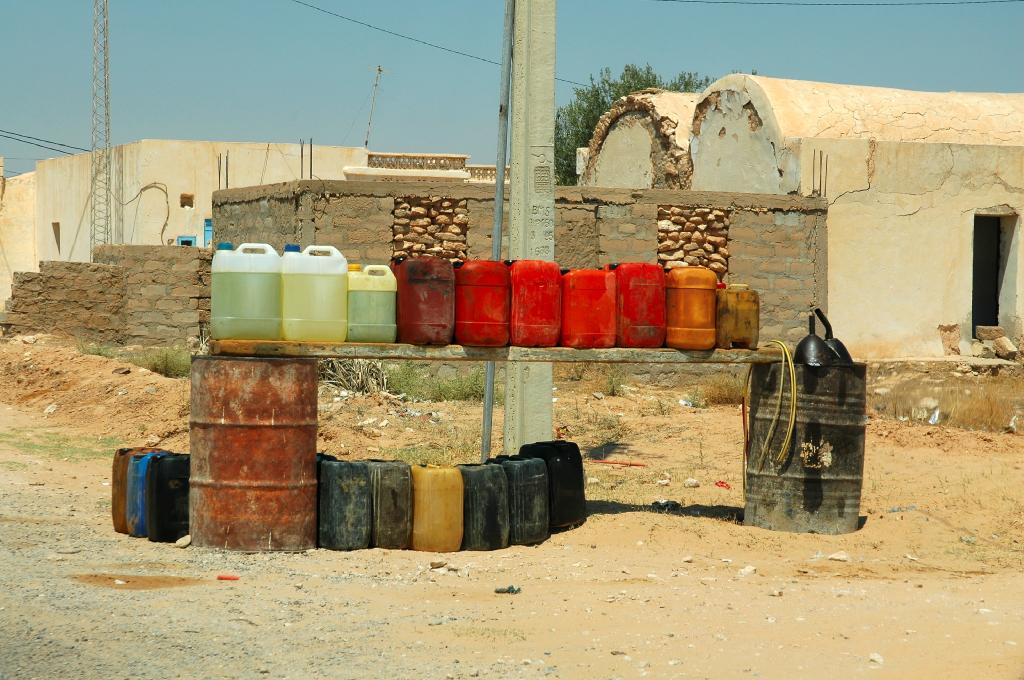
(187, 200)
(186, 241)
(56, 234)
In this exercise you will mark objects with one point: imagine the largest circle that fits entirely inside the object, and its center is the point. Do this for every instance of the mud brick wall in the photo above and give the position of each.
(68, 298)
(774, 243)
(166, 292)
(135, 295)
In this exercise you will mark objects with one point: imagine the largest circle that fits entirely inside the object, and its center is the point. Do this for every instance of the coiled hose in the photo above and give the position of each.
(763, 451)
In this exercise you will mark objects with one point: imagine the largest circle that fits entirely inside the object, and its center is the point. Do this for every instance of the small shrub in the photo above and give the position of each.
(415, 382)
(719, 389)
(96, 349)
(172, 362)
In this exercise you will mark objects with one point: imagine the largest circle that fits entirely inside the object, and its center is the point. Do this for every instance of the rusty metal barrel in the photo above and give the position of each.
(816, 487)
(253, 435)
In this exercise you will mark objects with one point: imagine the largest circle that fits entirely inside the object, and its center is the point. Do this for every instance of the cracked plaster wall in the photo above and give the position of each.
(900, 239)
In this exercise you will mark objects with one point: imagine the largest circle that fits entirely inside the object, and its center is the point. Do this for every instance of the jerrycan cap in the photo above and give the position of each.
(457, 263)
(355, 267)
(292, 248)
(613, 266)
(508, 263)
(721, 285)
(564, 270)
(739, 286)
(225, 245)
(399, 260)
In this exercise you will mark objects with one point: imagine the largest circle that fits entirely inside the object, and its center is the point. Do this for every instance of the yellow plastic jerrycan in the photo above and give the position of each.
(436, 508)
(314, 294)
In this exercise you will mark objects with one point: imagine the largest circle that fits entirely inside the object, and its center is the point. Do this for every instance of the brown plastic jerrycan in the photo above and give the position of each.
(739, 317)
(691, 306)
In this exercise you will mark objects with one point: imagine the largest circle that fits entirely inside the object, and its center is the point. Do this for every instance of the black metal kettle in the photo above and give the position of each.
(813, 350)
(843, 357)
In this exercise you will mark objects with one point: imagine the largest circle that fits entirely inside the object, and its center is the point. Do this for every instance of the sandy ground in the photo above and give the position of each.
(932, 586)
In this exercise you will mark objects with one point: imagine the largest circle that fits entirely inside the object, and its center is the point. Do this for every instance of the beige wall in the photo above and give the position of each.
(17, 229)
(900, 238)
(151, 175)
(626, 158)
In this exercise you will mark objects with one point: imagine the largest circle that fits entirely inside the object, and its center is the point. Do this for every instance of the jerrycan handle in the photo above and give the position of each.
(376, 270)
(261, 248)
(321, 250)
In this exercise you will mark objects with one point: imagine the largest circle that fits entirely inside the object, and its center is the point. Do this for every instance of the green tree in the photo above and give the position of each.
(575, 122)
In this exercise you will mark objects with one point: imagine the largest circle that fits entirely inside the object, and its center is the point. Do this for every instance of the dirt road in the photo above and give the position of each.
(931, 586)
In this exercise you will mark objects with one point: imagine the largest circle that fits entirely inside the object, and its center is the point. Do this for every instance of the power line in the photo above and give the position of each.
(25, 141)
(794, 3)
(417, 40)
(48, 141)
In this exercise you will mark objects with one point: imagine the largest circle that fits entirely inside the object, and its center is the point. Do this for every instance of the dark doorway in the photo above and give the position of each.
(985, 296)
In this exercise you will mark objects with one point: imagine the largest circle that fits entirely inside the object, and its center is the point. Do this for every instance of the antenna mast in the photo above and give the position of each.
(100, 198)
(373, 103)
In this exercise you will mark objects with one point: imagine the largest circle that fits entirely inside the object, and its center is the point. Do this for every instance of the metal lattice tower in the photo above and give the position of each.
(100, 196)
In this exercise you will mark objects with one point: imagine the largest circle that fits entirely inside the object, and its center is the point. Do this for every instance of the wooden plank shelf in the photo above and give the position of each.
(400, 352)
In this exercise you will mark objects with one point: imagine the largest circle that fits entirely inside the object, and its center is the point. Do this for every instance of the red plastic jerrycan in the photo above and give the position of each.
(536, 303)
(481, 303)
(426, 300)
(588, 308)
(640, 304)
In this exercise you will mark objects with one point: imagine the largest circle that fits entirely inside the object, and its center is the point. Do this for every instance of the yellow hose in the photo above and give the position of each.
(783, 452)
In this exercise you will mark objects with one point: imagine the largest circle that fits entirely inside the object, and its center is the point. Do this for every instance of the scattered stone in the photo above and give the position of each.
(123, 370)
(949, 334)
(988, 332)
(691, 483)
(51, 409)
(119, 582)
(437, 564)
(68, 550)
(666, 506)
(688, 559)
(746, 571)
(776, 593)
(150, 389)
(840, 556)
(981, 350)
(152, 440)
(876, 658)
(508, 590)
(29, 339)
(1004, 348)
(597, 395)
(183, 542)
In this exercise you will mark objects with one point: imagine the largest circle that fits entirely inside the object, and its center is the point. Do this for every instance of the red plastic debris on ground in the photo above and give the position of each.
(722, 485)
(226, 577)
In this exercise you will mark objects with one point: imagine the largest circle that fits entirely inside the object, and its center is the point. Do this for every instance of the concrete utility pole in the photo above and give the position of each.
(528, 416)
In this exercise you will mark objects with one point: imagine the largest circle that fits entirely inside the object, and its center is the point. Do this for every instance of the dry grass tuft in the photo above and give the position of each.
(991, 404)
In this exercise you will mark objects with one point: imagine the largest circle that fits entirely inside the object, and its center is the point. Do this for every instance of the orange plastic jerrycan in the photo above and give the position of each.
(691, 307)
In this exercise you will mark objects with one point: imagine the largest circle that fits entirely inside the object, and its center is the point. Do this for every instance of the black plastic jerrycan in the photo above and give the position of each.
(567, 499)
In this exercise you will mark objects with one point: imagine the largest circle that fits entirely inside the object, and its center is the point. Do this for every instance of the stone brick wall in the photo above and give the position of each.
(430, 225)
(166, 291)
(136, 295)
(777, 244)
(693, 237)
(69, 298)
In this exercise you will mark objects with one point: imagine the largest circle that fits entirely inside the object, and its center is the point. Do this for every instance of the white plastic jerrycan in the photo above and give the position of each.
(314, 294)
(371, 304)
(245, 293)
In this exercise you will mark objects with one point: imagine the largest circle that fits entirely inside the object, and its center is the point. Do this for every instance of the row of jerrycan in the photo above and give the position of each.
(311, 295)
(149, 493)
(316, 296)
(512, 500)
(533, 303)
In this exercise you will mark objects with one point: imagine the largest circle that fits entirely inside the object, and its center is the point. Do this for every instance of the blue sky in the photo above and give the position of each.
(272, 70)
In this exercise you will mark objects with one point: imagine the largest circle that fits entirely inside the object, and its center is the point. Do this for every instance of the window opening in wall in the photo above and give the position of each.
(186, 241)
(986, 277)
(56, 234)
(187, 200)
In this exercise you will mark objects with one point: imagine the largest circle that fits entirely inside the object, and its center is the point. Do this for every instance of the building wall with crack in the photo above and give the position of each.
(904, 174)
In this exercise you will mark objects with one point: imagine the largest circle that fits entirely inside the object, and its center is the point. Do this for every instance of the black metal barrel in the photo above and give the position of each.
(817, 486)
